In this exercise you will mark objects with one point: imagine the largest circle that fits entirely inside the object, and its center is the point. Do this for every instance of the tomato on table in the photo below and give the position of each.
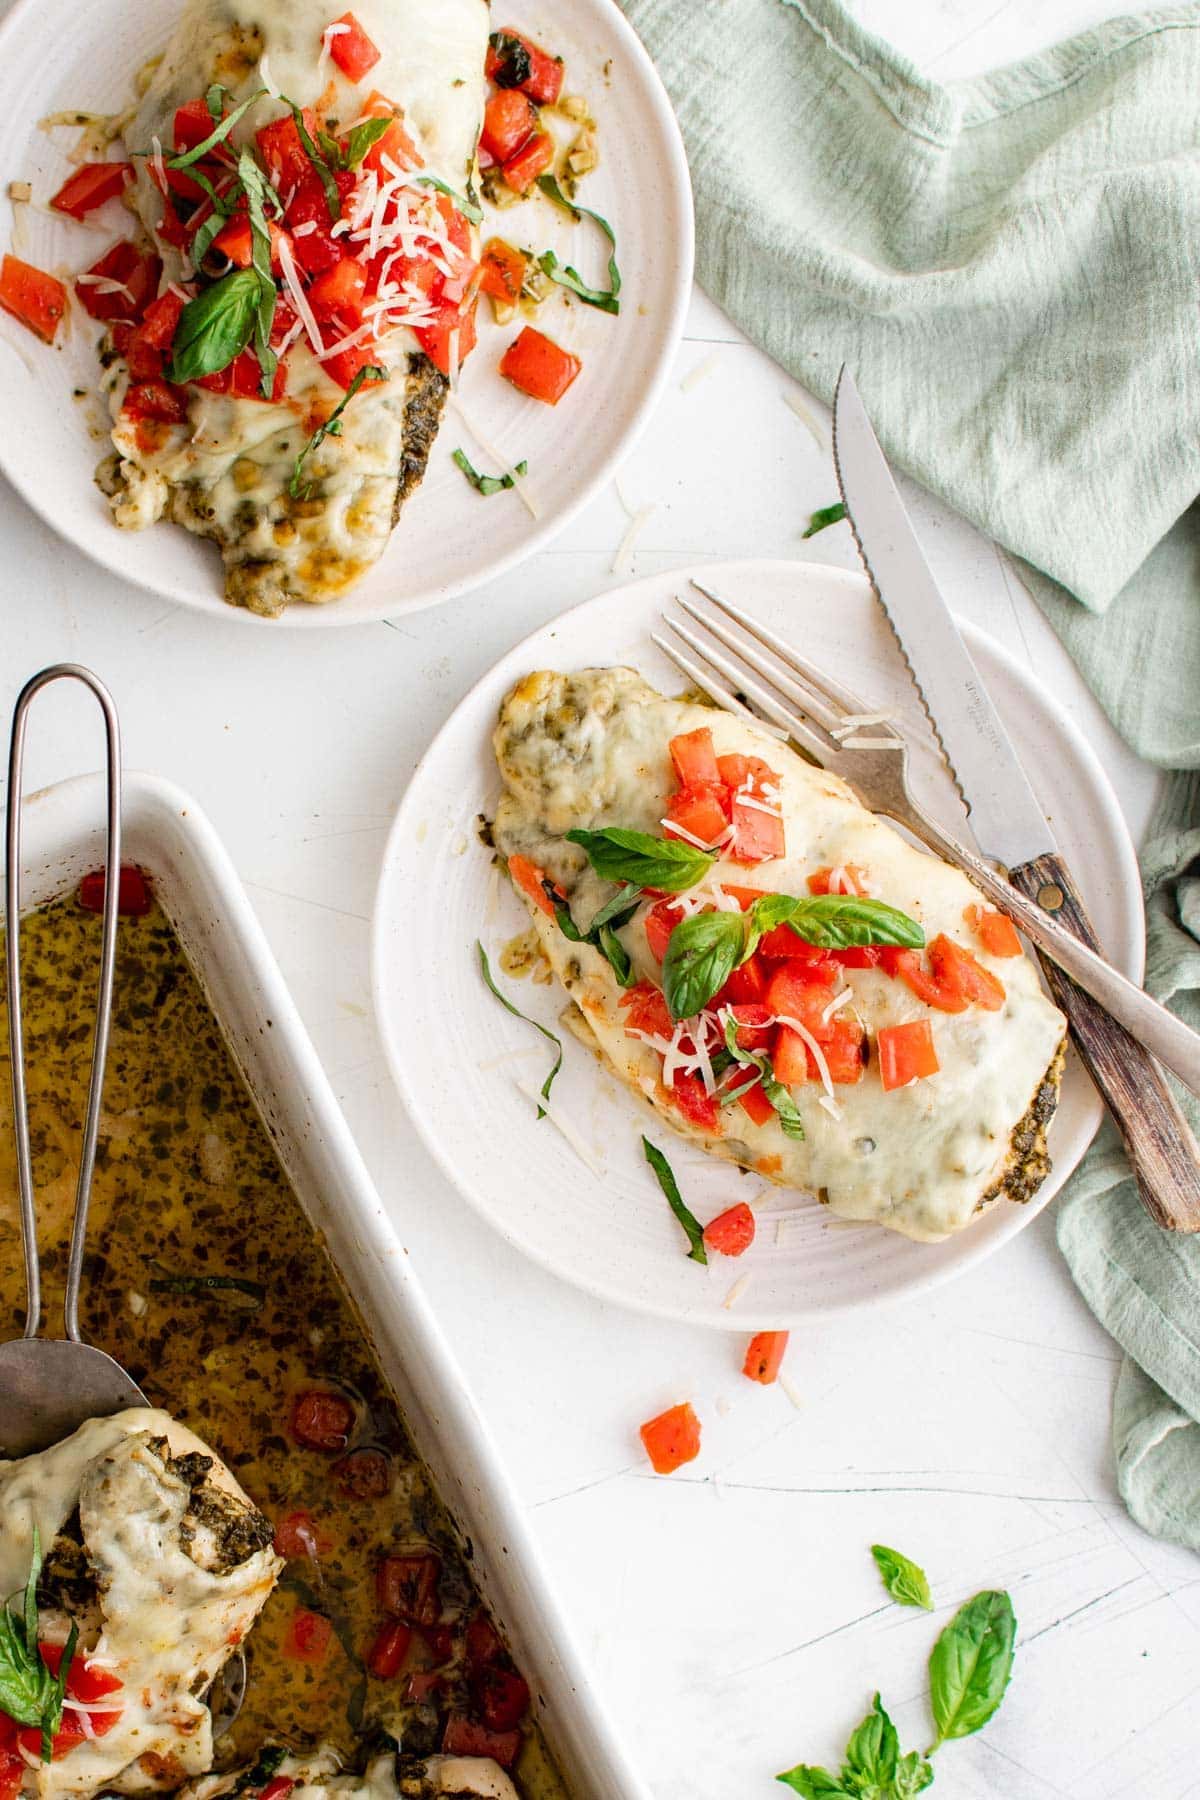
(672, 1438)
(90, 186)
(322, 1420)
(539, 367)
(386, 1655)
(906, 1053)
(531, 160)
(731, 1232)
(464, 1737)
(764, 1356)
(502, 271)
(351, 49)
(134, 898)
(38, 300)
(995, 931)
(509, 120)
(515, 61)
(408, 1587)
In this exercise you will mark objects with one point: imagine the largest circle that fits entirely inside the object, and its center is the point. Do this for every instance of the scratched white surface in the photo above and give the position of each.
(732, 1615)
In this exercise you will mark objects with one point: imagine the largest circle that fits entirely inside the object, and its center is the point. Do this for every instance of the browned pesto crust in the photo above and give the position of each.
(1029, 1159)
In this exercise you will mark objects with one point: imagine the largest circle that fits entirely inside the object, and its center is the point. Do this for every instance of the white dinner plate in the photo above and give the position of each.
(459, 1058)
(57, 55)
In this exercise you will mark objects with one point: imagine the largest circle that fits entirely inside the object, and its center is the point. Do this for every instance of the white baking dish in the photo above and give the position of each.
(199, 889)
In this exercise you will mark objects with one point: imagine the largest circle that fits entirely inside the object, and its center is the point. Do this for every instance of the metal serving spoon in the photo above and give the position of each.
(50, 1386)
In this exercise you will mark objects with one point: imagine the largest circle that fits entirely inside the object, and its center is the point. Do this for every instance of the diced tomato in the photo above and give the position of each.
(694, 759)
(365, 1474)
(764, 1356)
(283, 154)
(529, 878)
(782, 945)
(539, 367)
(134, 898)
(502, 1696)
(953, 979)
(746, 985)
(236, 241)
(699, 812)
(672, 1438)
(352, 50)
(321, 1420)
(134, 269)
(646, 1008)
(515, 61)
(308, 1636)
(387, 1653)
(343, 367)
(693, 1101)
(408, 1587)
(845, 1052)
(421, 1687)
(296, 1535)
(995, 931)
(482, 1643)
(313, 245)
(531, 160)
(745, 896)
(156, 400)
(193, 123)
(732, 1231)
(90, 186)
(339, 293)
(737, 770)
(69, 1733)
(790, 1057)
(851, 880)
(278, 1788)
(84, 1683)
(659, 923)
(435, 340)
(12, 1772)
(438, 1640)
(906, 1053)
(145, 351)
(395, 145)
(38, 300)
(758, 836)
(503, 271)
(463, 1737)
(858, 956)
(509, 120)
(753, 1022)
(799, 990)
(242, 379)
(753, 1101)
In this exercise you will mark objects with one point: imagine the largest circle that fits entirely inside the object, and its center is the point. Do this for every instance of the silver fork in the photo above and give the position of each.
(747, 670)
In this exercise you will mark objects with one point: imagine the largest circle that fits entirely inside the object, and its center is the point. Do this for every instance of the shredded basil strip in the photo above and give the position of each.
(186, 158)
(617, 911)
(29, 1693)
(516, 1012)
(562, 913)
(215, 327)
(361, 138)
(202, 1284)
(333, 424)
(567, 276)
(620, 855)
(487, 484)
(466, 207)
(790, 1122)
(333, 199)
(514, 65)
(618, 957)
(825, 515)
(259, 193)
(602, 932)
(670, 1187)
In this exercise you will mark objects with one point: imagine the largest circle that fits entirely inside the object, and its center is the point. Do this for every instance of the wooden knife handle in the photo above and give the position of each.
(1161, 1147)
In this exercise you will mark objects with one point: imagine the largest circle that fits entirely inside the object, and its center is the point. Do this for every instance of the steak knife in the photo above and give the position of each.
(1011, 829)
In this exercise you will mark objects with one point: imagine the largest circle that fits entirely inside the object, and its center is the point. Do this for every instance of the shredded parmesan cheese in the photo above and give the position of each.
(702, 370)
(736, 1291)
(532, 1092)
(298, 297)
(792, 399)
(622, 562)
(818, 1055)
(497, 456)
(265, 76)
(856, 721)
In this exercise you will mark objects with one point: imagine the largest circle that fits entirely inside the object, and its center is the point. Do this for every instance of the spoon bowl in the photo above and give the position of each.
(50, 1386)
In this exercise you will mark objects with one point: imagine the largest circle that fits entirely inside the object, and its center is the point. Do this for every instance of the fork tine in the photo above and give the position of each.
(708, 684)
(822, 685)
(812, 743)
(799, 694)
(755, 691)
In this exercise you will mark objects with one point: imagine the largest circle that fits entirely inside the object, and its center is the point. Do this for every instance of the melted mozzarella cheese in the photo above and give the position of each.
(317, 1777)
(168, 1622)
(590, 750)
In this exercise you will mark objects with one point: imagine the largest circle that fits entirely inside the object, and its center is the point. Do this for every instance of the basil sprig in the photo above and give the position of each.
(333, 199)
(666, 863)
(487, 484)
(360, 139)
(570, 278)
(29, 1692)
(259, 195)
(970, 1665)
(333, 424)
(702, 954)
(824, 516)
(841, 921)
(465, 205)
(516, 1012)
(904, 1579)
(790, 1122)
(692, 1227)
(215, 327)
(602, 932)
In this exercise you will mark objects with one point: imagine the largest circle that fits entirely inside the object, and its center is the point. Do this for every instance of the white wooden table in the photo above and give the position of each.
(732, 1614)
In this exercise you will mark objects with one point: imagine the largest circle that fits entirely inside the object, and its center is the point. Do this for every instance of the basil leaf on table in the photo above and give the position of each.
(814, 1783)
(486, 484)
(670, 1187)
(620, 855)
(904, 1579)
(215, 327)
(823, 517)
(567, 277)
(841, 921)
(516, 1012)
(790, 1122)
(702, 954)
(913, 1775)
(970, 1665)
(872, 1752)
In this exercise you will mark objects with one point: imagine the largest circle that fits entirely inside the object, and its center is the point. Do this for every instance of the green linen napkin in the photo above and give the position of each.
(1012, 268)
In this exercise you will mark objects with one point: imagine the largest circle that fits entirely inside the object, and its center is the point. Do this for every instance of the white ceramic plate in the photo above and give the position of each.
(56, 54)
(450, 1044)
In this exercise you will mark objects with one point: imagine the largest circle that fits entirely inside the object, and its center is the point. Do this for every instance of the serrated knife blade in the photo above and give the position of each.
(1006, 817)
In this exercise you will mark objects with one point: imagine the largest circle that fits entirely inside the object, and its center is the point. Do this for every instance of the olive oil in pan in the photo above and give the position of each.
(188, 1194)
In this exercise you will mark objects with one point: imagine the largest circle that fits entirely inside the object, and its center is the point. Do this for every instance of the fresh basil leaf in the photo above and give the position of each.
(913, 1775)
(261, 1770)
(333, 424)
(813, 1783)
(259, 194)
(825, 515)
(516, 1012)
(839, 921)
(570, 278)
(29, 1693)
(873, 1751)
(514, 64)
(333, 199)
(219, 132)
(675, 1200)
(466, 206)
(487, 484)
(215, 327)
(764, 915)
(361, 138)
(562, 913)
(611, 946)
(780, 1097)
(666, 863)
(970, 1665)
(617, 911)
(904, 1579)
(702, 954)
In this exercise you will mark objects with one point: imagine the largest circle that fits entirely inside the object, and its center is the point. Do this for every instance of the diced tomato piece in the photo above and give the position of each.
(758, 836)
(387, 1653)
(156, 400)
(439, 1640)
(845, 1052)
(90, 186)
(339, 293)
(658, 924)
(800, 990)
(148, 343)
(693, 1101)
(70, 1733)
(193, 123)
(732, 1231)
(482, 1643)
(955, 966)
(313, 245)
(134, 269)
(283, 154)
(851, 880)
(343, 367)
(278, 1788)
(858, 956)
(995, 931)
(747, 984)
(296, 1535)
(529, 878)
(352, 50)
(699, 812)
(12, 1772)
(694, 759)
(782, 945)
(365, 1474)
(531, 160)
(502, 1696)
(509, 120)
(321, 1420)
(539, 367)
(308, 1636)
(395, 145)
(134, 898)
(646, 1007)
(242, 379)
(423, 1686)
(435, 340)
(408, 1587)
(236, 240)
(737, 770)
(463, 1737)
(753, 1022)
(791, 1058)
(672, 1438)
(753, 1100)
(503, 271)
(515, 61)
(84, 1683)
(764, 1356)
(38, 300)
(906, 1053)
